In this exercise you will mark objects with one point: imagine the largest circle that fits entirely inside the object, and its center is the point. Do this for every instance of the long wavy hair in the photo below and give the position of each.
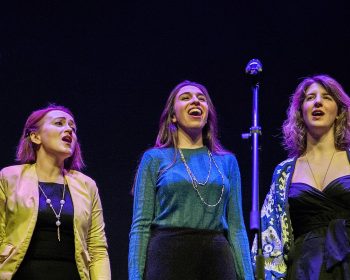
(167, 135)
(294, 129)
(27, 150)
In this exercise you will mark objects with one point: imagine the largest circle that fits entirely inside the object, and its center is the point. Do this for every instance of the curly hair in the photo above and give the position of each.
(26, 149)
(294, 129)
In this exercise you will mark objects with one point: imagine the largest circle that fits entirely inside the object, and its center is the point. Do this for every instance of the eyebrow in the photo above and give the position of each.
(64, 118)
(187, 92)
(324, 93)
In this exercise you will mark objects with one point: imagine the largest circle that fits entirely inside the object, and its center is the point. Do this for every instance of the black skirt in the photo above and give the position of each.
(191, 254)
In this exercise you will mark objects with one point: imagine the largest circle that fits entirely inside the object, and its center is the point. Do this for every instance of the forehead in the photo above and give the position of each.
(54, 114)
(314, 88)
(189, 89)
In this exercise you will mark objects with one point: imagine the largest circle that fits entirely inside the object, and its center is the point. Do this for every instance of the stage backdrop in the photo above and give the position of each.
(114, 63)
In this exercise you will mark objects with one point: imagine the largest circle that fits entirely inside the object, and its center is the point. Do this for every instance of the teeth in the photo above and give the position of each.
(195, 111)
(317, 113)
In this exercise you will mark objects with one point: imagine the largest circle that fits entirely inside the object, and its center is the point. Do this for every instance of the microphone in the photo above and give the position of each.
(254, 67)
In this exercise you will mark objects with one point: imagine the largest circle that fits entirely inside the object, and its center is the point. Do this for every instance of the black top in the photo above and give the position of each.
(320, 221)
(46, 257)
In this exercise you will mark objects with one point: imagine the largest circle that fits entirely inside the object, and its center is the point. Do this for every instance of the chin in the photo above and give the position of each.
(68, 153)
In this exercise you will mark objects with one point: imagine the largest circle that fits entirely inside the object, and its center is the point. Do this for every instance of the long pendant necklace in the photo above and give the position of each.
(325, 175)
(195, 182)
(57, 215)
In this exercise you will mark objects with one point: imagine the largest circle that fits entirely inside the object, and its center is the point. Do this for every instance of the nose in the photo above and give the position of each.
(318, 101)
(69, 129)
(195, 99)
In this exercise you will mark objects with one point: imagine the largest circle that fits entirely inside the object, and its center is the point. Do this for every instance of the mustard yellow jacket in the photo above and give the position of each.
(19, 203)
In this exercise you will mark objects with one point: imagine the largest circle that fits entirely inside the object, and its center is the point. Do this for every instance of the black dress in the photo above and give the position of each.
(321, 228)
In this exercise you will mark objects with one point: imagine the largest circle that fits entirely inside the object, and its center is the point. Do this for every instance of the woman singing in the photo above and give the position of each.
(306, 214)
(51, 222)
(187, 221)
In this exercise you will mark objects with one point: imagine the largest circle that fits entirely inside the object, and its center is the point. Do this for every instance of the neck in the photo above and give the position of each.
(320, 145)
(49, 171)
(189, 140)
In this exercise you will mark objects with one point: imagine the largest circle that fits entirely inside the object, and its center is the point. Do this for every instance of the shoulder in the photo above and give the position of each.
(228, 162)
(281, 178)
(158, 154)
(286, 162)
(14, 170)
(226, 157)
(81, 177)
(285, 165)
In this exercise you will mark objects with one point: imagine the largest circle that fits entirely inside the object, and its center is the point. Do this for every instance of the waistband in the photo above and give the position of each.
(185, 231)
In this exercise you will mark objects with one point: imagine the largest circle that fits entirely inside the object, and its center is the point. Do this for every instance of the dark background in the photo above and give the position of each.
(114, 64)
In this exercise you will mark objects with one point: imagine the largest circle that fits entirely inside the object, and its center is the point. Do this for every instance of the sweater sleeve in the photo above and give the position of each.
(237, 234)
(143, 214)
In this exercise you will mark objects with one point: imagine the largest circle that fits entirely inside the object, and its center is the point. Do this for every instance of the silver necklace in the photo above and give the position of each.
(191, 173)
(57, 215)
(325, 175)
(195, 182)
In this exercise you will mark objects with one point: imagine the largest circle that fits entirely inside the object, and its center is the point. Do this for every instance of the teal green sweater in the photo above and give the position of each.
(168, 199)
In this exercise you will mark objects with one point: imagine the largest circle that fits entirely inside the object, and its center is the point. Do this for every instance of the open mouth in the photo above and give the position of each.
(196, 112)
(317, 113)
(67, 139)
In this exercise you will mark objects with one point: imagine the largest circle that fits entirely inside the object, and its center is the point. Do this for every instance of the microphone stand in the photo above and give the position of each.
(254, 69)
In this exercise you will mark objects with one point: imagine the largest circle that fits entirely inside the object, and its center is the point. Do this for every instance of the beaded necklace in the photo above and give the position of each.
(62, 202)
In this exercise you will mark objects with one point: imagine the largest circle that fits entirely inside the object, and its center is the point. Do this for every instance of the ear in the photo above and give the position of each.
(35, 138)
(173, 119)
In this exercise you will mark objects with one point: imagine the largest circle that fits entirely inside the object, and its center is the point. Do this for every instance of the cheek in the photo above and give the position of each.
(177, 111)
(304, 110)
(304, 118)
(52, 132)
(177, 107)
(336, 110)
(49, 137)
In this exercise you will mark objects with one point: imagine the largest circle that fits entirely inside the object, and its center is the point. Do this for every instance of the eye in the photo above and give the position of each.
(59, 123)
(202, 98)
(328, 97)
(184, 97)
(309, 97)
